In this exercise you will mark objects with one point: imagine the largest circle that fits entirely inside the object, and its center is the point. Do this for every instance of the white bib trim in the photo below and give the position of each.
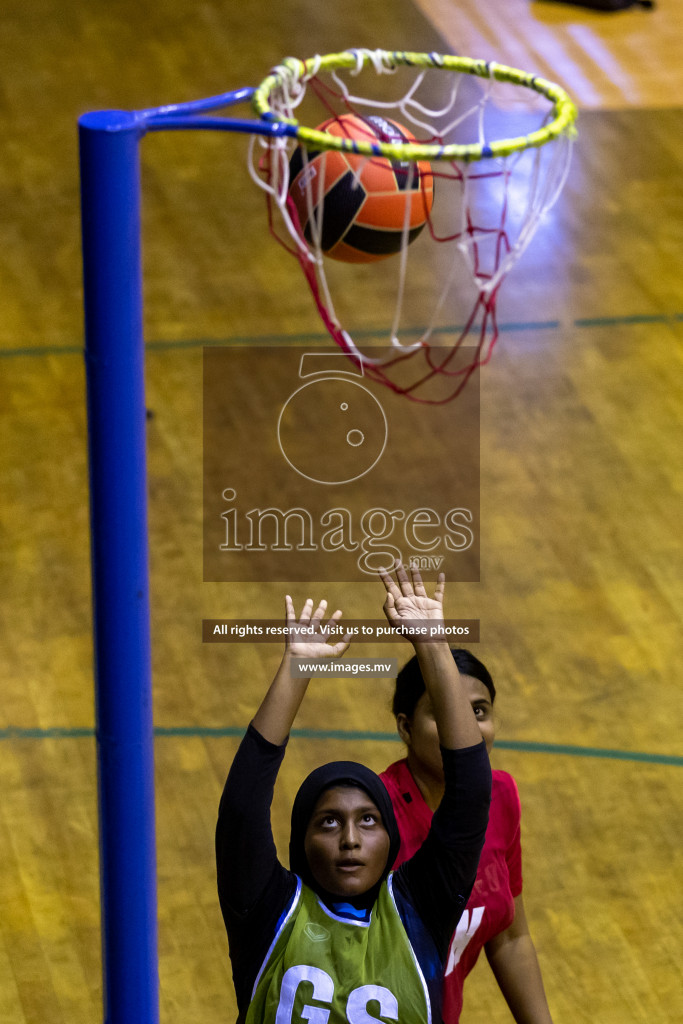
(292, 907)
(428, 1002)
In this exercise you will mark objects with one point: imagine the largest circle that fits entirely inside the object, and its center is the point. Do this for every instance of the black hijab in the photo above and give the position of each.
(338, 773)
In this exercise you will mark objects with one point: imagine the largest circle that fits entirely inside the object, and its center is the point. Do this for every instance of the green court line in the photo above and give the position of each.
(529, 325)
(195, 731)
(321, 337)
(602, 752)
(57, 733)
(616, 321)
(42, 350)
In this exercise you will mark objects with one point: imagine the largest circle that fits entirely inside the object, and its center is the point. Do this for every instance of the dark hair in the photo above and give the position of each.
(410, 684)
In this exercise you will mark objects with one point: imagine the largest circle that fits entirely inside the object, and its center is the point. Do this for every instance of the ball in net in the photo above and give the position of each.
(355, 208)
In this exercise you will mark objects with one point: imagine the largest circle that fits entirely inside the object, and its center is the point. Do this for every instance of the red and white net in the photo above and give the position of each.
(439, 292)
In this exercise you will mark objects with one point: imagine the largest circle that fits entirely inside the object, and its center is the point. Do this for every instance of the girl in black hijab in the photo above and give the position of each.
(339, 774)
(338, 938)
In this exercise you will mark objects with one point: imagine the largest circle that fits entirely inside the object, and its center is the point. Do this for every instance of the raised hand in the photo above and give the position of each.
(308, 637)
(408, 606)
(407, 602)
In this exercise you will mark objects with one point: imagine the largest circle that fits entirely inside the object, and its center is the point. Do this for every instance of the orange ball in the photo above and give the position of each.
(362, 202)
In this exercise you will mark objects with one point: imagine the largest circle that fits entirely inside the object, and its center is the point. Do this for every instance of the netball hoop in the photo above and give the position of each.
(490, 195)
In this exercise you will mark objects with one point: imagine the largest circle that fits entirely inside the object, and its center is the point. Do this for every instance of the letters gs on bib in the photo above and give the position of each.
(323, 992)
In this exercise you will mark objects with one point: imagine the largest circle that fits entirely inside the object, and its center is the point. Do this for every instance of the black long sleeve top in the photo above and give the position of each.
(431, 889)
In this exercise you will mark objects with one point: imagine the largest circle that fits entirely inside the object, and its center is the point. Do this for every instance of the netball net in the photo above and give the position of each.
(491, 192)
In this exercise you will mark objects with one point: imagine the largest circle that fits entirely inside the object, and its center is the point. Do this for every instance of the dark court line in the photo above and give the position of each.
(321, 337)
(196, 731)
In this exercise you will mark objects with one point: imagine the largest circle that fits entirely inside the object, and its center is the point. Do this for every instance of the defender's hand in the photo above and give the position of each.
(407, 602)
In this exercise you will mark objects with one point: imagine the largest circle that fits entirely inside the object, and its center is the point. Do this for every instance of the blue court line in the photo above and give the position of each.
(196, 731)
(321, 337)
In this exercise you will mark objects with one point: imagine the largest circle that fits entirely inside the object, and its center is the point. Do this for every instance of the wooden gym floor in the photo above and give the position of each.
(580, 602)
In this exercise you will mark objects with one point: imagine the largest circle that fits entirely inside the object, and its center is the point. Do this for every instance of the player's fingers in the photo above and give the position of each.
(404, 580)
(319, 613)
(306, 611)
(418, 585)
(385, 575)
(329, 629)
(440, 587)
(388, 582)
(341, 646)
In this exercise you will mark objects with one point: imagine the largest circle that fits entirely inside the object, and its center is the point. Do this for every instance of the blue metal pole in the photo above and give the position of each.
(114, 355)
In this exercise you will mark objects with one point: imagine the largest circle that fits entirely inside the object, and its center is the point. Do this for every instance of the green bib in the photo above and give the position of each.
(325, 969)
